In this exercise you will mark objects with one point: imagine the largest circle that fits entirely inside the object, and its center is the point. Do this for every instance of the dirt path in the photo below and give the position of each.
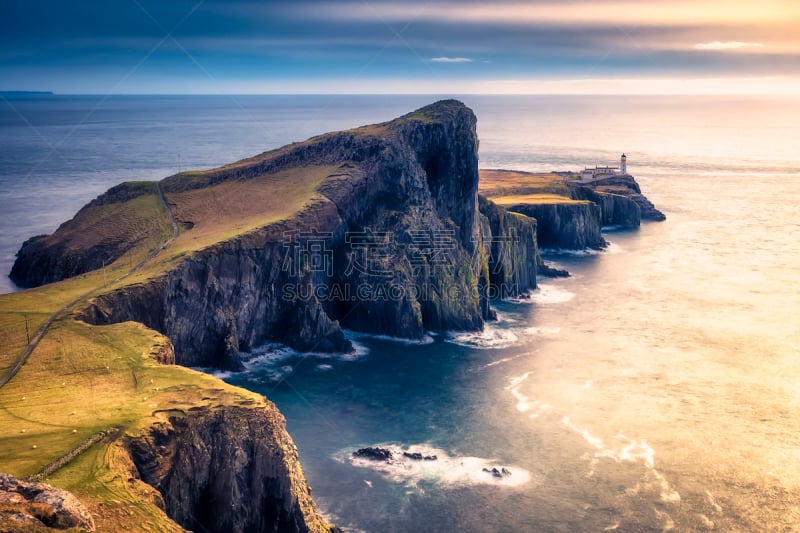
(57, 314)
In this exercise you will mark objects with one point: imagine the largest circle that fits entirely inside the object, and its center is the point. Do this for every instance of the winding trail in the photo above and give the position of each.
(175, 230)
(59, 312)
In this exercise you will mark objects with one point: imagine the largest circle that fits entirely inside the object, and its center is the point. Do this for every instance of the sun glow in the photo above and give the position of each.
(664, 13)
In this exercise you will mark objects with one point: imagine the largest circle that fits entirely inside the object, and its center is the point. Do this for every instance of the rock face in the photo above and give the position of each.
(621, 200)
(572, 226)
(228, 470)
(513, 251)
(27, 505)
(615, 209)
(399, 223)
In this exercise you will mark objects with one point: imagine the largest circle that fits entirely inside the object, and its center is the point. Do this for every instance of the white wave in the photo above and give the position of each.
(492, 337)
(501, 361)
(563, 251)
(275, 359)
(527, 404)
(596, 442)
(427, 339)
(519, 379)
(445, 470)
(550, 294)
(523, 299)
(634, 451)
(505, 318)
(268, 355)
(667, 524)
(359, 350)
(714, 505)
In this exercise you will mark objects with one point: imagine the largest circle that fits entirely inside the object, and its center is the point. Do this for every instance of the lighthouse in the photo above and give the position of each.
(623, 164)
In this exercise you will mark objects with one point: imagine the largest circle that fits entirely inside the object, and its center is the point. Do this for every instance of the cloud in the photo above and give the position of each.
(451, 60)
(727, 45)
(586, 12)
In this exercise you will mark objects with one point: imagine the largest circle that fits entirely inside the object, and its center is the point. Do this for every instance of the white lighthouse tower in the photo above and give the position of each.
(623, 164)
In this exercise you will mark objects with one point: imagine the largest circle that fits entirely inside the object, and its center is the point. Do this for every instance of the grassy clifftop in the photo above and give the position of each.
(506, 187)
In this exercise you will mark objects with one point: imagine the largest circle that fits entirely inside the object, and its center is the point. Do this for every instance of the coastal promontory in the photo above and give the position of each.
(388, 229)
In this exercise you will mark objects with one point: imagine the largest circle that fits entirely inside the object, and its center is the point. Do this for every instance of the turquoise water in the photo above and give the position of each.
(656, 389)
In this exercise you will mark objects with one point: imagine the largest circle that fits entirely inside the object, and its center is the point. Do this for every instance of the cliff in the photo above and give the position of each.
(615, 209)
(567, 224)
(218, 457)
(102, 232)
(570, 213)
(227, 470)
(378, 229)
(388, 240)
(621, 200)
(512, 249)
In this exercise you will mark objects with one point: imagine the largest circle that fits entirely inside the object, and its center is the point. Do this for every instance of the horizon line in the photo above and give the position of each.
(711, 86)
(49, 94)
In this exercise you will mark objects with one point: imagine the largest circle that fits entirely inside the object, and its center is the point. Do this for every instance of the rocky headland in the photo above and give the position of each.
(379, 229)
(570, 213)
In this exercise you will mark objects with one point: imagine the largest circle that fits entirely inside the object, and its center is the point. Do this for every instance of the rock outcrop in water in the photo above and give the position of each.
(228, 470)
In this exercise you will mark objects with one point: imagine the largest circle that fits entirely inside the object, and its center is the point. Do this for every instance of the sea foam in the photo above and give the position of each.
(447, 470)
(547, 294)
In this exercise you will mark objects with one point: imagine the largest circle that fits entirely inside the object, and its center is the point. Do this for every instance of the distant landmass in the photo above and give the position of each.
(21, 94)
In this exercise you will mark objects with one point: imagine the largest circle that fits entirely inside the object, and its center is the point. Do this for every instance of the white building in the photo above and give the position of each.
(599, 172)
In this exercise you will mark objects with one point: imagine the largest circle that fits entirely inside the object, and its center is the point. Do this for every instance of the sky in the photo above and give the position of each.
(388, 46)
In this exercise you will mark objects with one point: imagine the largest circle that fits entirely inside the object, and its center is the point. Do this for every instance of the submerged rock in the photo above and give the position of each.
(374, 454)
(503, 472)
(416, 456)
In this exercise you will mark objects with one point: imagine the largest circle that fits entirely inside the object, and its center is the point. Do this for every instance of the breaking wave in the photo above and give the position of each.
(445, 469)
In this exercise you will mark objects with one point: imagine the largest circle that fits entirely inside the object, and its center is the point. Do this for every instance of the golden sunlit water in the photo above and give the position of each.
(657, 389)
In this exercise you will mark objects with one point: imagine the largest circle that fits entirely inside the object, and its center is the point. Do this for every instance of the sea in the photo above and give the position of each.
(655, 389)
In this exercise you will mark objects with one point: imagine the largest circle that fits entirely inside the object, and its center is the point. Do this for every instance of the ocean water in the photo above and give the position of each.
(657, 389)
